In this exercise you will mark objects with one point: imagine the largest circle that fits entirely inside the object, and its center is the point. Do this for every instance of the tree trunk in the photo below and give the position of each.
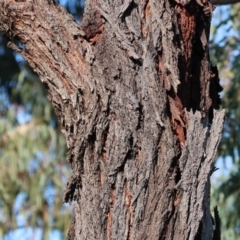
(135, 93)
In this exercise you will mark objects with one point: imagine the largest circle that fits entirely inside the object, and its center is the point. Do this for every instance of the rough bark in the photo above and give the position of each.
(135, 93)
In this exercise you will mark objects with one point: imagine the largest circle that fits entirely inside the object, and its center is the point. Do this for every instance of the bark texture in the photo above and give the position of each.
(135, 92)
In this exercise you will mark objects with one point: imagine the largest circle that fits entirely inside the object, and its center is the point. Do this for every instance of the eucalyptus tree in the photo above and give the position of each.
(137, 97)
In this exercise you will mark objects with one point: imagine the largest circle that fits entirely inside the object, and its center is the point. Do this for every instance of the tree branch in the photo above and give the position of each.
(56, 48)
(224, 2)
(49, 38)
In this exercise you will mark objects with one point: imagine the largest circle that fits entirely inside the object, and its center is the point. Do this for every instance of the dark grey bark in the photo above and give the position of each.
(135, 93)
(224, 2)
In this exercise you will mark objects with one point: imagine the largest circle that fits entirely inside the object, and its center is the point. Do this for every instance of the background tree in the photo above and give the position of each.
(32, 152)
(32, 156)
(225, 52)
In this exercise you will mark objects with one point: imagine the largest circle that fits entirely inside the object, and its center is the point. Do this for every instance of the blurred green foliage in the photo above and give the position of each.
(225, 52)
(32, 150)
(32, 157)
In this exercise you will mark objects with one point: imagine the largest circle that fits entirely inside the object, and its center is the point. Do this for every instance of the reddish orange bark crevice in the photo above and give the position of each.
(96, 38)
(63, 79)
(179, 122)
(144, 30)
(177, 199)
(147, 10)
(94, 31)
(128, 203)
(128, 197)
(186, 17)
(72, 58)
(138, 157)
(101, 178)
(105, 157)
(147, 13)
(110, 214)
(98, 35)
(109, 225)
(187, 26)
(176, 108)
